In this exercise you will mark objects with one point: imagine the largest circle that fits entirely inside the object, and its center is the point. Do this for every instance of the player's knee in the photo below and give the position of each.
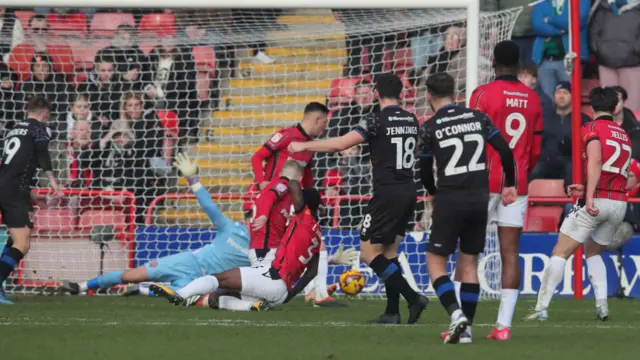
(135, 275)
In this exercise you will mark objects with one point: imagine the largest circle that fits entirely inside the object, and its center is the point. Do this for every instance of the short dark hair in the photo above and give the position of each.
(528, 68)
(316, 106)
(389, 86)
(74, 97)
(622, 91)
(38, 17)
(105, 56)
(126, 27)
(603, 99)
(362, 83)
(506, 54)
(440, 85)
(38, 104)
(312, 198)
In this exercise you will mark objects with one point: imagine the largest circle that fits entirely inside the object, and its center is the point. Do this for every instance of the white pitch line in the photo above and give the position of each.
(249, 323)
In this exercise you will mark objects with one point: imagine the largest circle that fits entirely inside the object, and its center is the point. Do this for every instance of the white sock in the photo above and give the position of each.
(457, 285)
(144, 290)
(321, 278)
(233, 303)
(550, 281)
(598, 277)
(83, 286)
(456, 314)
(508, 300)
(199, 286)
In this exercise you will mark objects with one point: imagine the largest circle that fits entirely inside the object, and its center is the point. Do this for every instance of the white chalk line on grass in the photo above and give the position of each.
(27, 322)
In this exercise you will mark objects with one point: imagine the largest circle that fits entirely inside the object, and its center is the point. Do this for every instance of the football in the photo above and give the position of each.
(352, 282)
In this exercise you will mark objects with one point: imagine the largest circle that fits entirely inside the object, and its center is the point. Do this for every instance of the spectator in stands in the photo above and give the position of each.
(528, 75)
(550, 22)
(255, 23)
(614, 38)
(7, 99)
(81, 155)
(44, 81)
(349, 115)
(624, 117)
(11, 33)
(104, 89)
(555, 155)
(132, 65)
(426, 43)
(80, 110)
(174, 84)
(38, 40)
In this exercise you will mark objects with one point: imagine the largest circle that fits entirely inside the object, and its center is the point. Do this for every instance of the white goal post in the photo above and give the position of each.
(225, 95)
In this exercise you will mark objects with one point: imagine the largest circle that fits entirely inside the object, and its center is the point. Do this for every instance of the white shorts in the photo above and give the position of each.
(580, 226)
(511, 215)
(261, 261)
(257, 283)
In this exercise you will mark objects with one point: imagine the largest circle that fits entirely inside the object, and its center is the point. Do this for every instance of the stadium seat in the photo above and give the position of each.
(401, 60)
(105, 24)
(547, 188)
(60, 53)
(169, 121)
(24, 16)
(147, 45)
(55, 219)
(91, 218)
(544, 218)
(70, 25)
(342, 90)
(157, 25)
(587, 86)
(637, 114)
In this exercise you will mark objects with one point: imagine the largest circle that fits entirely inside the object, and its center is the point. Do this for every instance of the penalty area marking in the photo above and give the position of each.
(26, 322)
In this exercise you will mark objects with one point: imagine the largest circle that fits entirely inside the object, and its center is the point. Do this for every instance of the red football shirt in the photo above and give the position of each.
(267, 162)
(515, 110)
(616, 156)
(300, 244)
(275, 203)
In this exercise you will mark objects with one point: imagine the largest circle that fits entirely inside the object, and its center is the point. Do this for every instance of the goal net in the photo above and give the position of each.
(130, 89)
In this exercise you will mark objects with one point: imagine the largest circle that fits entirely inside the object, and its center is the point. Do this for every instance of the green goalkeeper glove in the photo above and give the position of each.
(344, 257)
(188, 168)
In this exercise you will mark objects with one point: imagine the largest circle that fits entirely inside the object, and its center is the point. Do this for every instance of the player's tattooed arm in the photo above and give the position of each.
(498, 142)
(310, 274)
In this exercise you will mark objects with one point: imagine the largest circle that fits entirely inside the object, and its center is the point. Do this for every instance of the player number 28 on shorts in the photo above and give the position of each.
(514, 127)
(405, 152)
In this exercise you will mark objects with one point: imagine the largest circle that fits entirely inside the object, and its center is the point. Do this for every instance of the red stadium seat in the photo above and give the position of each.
(69, 25)
(342, 90)
(637, 114)
(543, 218)
(55, 219)
(548, 188)
(91, 218)
(147, 45)
(105, 24)
(157, 25)
(169, 121)
(586, 86)
(24, 16)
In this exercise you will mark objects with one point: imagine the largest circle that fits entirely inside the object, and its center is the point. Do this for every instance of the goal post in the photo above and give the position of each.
(217, 84)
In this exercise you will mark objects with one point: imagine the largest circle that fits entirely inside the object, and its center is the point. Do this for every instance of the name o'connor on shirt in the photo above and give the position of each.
(402, 130)
(457, 129)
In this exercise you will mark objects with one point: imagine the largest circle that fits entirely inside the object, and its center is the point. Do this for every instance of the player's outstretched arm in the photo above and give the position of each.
(295, 191)
(331, 145)
(310, 274)
(189, 169)
(44, 159)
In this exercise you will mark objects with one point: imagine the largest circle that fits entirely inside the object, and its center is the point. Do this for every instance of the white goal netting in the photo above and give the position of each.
(130, 89)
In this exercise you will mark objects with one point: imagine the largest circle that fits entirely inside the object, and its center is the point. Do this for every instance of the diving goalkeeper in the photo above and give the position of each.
(229, 250)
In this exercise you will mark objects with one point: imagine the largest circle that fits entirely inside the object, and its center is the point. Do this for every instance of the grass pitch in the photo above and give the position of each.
(98, 328)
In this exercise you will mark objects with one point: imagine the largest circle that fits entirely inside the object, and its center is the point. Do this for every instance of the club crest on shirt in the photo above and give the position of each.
(276, 138)
(280, 188)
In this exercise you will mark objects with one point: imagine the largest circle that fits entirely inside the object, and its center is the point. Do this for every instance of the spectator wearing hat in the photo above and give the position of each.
(555, 154)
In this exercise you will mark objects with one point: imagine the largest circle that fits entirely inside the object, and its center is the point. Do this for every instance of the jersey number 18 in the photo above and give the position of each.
(405, 152)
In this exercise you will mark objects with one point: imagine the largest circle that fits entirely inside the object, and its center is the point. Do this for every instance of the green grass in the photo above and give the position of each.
(98, 328)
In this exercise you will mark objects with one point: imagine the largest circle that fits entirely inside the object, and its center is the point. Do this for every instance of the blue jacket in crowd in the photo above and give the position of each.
(558, 25)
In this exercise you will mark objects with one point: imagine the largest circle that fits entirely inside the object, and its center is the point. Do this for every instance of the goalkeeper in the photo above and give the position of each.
(229, 250)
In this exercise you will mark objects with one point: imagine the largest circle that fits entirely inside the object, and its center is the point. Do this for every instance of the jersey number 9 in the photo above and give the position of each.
(10, 149)
(514, 127)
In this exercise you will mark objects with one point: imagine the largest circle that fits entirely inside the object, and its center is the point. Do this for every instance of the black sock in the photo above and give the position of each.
(391, 274)
(446, 293)
(8, 262)
(7, 246)
(469, 294)
(393, 297)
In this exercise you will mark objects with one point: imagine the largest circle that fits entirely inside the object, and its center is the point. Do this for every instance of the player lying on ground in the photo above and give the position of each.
(258, 288)
(266, 164)
(456, 137)
(229, 249)
(26, 148)
(597, 215)
(516, 112)
(392, 135)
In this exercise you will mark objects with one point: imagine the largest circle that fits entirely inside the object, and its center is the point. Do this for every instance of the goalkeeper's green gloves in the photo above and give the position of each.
(188, 168)
(344, 257)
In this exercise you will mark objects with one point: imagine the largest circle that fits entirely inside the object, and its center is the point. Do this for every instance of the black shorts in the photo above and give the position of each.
(458, 217)
(16, 208)
(388, 214)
